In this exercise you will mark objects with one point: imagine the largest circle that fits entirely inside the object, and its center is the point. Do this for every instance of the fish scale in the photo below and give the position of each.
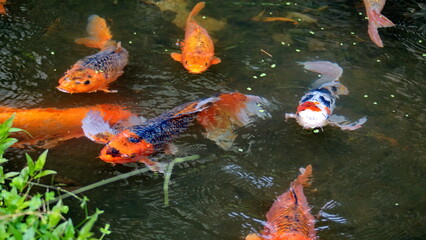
(108, 61)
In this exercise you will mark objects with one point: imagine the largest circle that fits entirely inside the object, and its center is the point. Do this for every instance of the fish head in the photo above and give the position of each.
(126, 147)
(197, 64)
(80, 80)
(312, 115)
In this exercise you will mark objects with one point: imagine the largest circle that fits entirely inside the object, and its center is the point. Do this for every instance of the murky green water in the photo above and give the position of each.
(372, 186)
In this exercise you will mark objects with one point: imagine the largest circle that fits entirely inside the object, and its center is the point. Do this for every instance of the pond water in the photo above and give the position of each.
(369, 183)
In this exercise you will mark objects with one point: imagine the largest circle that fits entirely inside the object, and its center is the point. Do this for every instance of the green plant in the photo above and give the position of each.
(28, 215)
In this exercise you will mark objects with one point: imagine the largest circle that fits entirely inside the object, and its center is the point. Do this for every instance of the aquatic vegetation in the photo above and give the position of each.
(29, 214)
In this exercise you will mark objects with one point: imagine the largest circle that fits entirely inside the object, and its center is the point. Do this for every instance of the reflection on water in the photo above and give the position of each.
(368, 184)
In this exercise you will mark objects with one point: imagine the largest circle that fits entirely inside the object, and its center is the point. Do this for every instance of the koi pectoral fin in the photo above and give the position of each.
(216, 60)
(289, 115)
(339, 121)
(96, 129)
(154, 166)
(176, 56)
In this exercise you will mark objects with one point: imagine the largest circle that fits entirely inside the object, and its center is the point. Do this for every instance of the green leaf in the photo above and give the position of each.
(30, 164)
(12, 130)
(6, 125)
(2, 159)
(48, 196)
(18, 182)
(70, 231)
(5, 144)
(35, 202)
(11, 174)
(29, 234)
(85, 231)
(105, 230)
(44, 173)
(41, 161)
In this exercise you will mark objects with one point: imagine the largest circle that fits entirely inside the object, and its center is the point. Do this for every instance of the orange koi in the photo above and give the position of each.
(197, 48)
(97, 71)
(376, 20)
(220, 115)
(49, 126)
(2, 9)
(289, 217)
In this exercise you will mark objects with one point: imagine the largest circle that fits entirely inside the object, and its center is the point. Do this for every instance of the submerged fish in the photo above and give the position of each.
(137, 142)
(180, 8)
(316, 107)
(376, 20)
(289, 217)
(49, 126)
(197, 47)
(95, 72)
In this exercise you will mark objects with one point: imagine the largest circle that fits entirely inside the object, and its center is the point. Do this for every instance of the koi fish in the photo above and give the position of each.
(316, 107)
(289, 217)
(95, 72)
(2, 9)
(197, 47)
(376, 20)
(49, 126)
(137, 142)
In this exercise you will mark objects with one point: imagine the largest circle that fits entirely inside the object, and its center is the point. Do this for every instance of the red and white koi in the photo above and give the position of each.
(316, 107)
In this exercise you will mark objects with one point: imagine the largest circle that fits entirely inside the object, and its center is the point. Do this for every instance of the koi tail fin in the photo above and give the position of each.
(330, 75)
(229, 111)
(197, 8)
(375, 21)
(99, 33)
(96, 128)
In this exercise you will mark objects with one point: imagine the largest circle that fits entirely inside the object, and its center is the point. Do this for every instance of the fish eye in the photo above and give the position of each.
(89, 76)
(205, 64)
(186, 62)
(87, 82)
(113, 152)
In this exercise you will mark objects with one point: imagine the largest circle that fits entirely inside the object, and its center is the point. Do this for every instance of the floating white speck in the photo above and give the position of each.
(354, 43)
(406, 115)
(366, 96)
(352, 33)
(378, 60)
(273, 66)
(204, 17)
(54, 69)
(240, 149)
(52, 53)
(249, 88)
(166, 50)
(130, 42)
(255, 77)
(134, 33)
(360, 13)
(261, 110)
(375, 103)
(392, 95)
(396, 204)
(283, 43)
(341, 44)
(322, 28)
(366, 18)
(288, 3)
(312, 32)
(262, 75)
(420, 41)
(297, 50)
(316, 131)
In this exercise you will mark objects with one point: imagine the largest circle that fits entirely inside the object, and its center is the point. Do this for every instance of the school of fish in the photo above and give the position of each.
(128, 138)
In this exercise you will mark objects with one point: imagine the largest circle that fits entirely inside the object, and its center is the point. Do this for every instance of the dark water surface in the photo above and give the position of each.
(371, 181)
